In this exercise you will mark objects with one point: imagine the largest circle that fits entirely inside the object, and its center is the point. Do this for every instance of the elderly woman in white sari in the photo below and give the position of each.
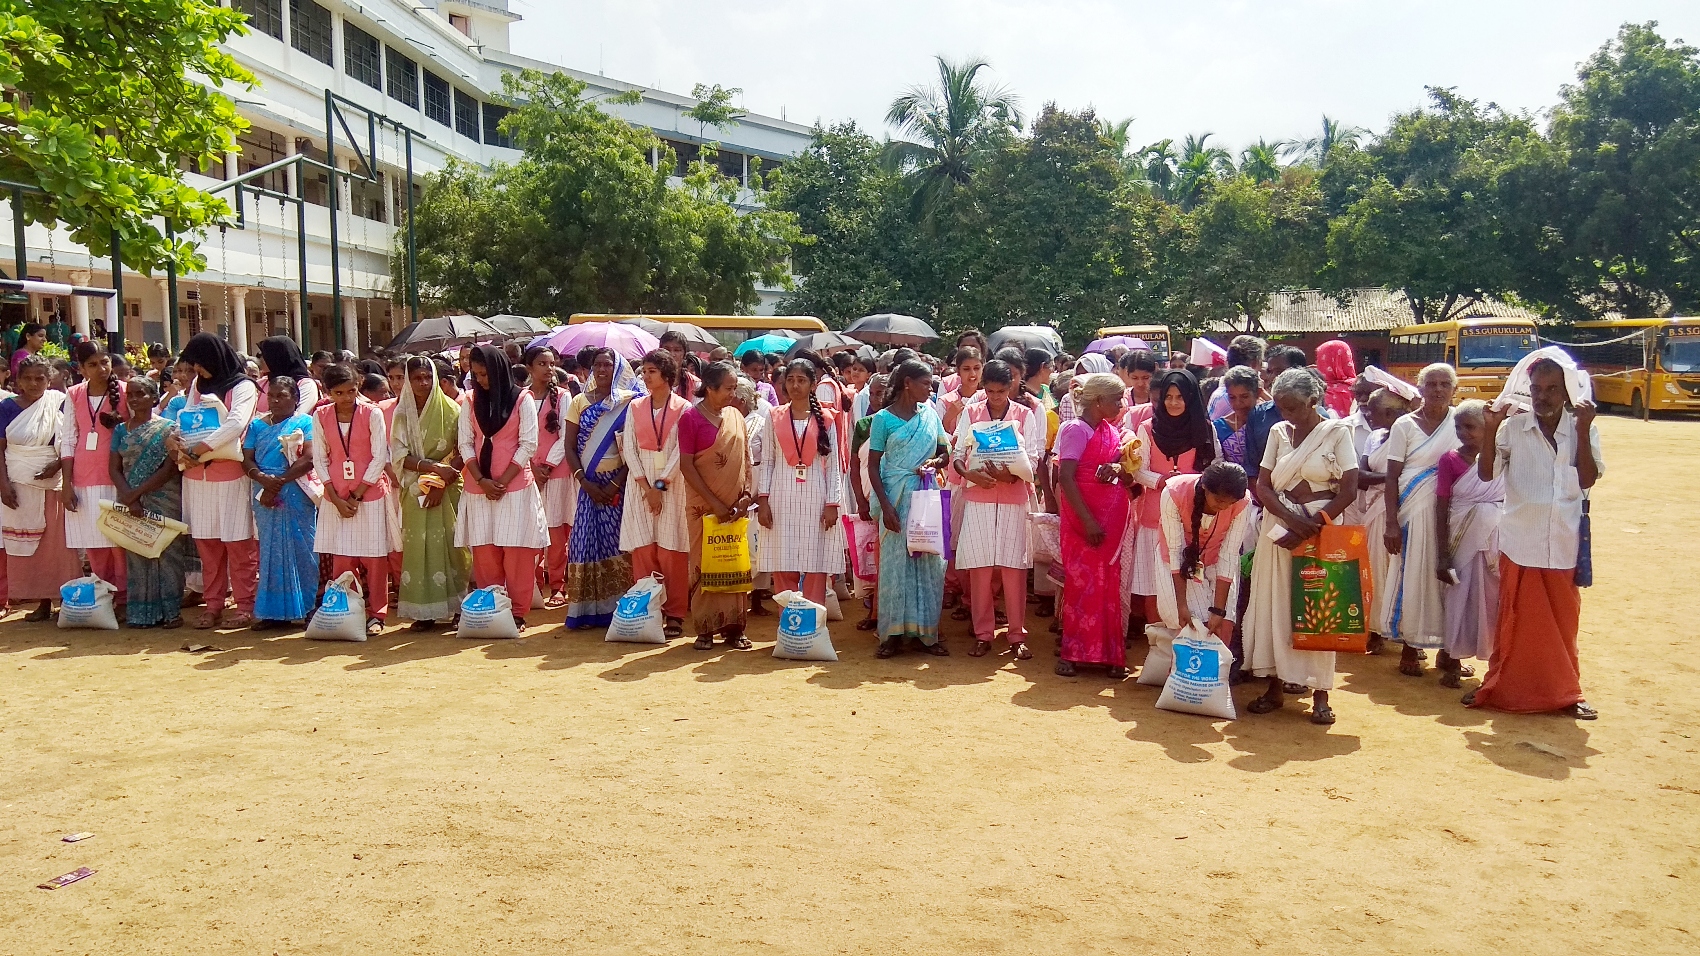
(1416, 614)
(32, 517)
(1467, 532)
(1309, 471)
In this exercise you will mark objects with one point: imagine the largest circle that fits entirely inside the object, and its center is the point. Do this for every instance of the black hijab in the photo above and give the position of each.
(1192, 429)
(214, 354)
(493, 406)
(283, 357)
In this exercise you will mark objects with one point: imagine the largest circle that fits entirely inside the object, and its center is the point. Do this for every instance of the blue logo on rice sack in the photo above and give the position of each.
(1197, 664)
(798, 621)
(78, 595)
(482, 600)
(995, 440)
(633, 605)
(335, 602)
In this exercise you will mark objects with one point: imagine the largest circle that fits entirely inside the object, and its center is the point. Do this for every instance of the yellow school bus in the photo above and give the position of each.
(1642, 364)
(730, 330)
(1483, 350)
(1156, 336)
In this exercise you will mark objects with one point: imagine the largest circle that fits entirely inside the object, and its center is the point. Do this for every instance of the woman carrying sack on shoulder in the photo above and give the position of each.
(350, 453)
(93, 408)
(32, 517)
(147, 480)
(799, 488)
(217, 495)
(906, 443)
(653, 526)
(423, 449)
(714, 458)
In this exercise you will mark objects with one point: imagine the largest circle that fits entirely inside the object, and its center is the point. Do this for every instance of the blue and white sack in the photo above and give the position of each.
(637, 614)
(1199, 682)
(87, 602)
(802, 630)
(342, 612)
(197, 423)
(488, 614)
(999, 443)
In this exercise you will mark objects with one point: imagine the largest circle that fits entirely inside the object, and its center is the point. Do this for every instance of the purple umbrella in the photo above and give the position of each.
(1116, 341)
(629, 341)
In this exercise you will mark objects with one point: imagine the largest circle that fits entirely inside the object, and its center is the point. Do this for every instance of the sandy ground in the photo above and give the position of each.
(563, 795)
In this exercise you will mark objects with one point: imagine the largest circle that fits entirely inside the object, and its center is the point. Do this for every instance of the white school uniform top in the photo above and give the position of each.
(372, 532)
(1543, 492)
(516, 521)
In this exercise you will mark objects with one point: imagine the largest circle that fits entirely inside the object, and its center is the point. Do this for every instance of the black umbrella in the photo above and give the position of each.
(697, 338)
(823, 343)
(519, 326)
(445, 331)
(1026, 337)
(890, 329)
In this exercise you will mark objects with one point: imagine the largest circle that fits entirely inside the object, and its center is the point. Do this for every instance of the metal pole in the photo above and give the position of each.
(21, 254)
(412, 252)
(171, 289)
(336, 280)
(304, 311)
(115, 337)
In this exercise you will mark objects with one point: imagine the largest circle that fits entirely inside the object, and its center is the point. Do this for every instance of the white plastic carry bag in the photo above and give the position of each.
(87, 602)
(802, 630)
(637, 615)
(925, 530)
(1199, 682)
(488, 613)
(342, 613)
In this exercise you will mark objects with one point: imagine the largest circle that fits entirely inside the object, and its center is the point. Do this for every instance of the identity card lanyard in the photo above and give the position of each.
(658, 456)
(347, 450)
(802, 469)
(92, 442)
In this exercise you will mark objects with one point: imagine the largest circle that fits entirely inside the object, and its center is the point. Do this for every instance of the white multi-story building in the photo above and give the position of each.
(434, 66)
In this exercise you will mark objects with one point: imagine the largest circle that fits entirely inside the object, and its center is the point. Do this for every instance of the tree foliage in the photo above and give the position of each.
(583, 223)
(114, 95)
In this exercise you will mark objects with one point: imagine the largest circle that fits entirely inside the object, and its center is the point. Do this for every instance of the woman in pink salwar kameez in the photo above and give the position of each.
(1094, 519)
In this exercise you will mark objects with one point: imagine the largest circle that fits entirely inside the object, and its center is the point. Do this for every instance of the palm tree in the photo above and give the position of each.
(1316, 150)
(950, 129)
(1261, 161)
(1199, 166)
(1158, 162)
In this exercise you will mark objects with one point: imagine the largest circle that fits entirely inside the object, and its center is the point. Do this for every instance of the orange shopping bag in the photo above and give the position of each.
(1332, 591)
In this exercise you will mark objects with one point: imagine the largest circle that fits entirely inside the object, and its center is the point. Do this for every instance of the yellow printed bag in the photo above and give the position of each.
(726, 555)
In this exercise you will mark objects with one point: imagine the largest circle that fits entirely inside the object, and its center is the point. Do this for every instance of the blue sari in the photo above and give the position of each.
(911, 587)
(598, 572)
(155, 586)
(289, 568)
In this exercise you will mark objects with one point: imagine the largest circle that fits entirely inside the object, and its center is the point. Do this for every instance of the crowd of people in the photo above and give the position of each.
(1177, 495)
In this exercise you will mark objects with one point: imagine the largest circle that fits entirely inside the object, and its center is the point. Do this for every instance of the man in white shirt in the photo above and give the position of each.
(1549, 458)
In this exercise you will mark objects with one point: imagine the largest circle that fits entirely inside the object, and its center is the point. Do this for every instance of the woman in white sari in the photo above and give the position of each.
(1416, 613)
(1309, 470)
(32, 517)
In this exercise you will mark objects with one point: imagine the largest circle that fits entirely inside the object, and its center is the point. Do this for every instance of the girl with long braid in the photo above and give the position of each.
(93, 407)
(799, 488)
(1197, 561)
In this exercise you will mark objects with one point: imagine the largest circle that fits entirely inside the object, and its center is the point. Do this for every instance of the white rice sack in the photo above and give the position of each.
(1199, 683)
(488, 614)
(637, 615)
(834, 610)
(1160, 659)
(1045, 537)
(802, 630)
(342, 613)
(87, 602)
(999, 443)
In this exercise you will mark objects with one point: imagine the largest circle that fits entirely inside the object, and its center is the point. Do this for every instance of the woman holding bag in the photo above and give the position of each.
(433, 568)
(653, 526)
(798, 490)
(146, 479)
(93, 408)
(1309, 471)
(714, 458)
(32, 520)
(906, 443)
(217, 495)
(1204, 523)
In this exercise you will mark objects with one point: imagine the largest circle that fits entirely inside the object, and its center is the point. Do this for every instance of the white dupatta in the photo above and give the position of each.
(31, 448)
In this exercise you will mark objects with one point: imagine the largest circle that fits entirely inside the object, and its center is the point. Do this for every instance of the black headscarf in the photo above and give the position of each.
(1175, 434)
(492, 406)
(283, 357)
(225, 368)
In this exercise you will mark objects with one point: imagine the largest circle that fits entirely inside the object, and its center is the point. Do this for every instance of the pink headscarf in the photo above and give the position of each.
(1334, 361)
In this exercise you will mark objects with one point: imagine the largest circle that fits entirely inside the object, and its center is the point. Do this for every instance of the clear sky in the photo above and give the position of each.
(1236, 68)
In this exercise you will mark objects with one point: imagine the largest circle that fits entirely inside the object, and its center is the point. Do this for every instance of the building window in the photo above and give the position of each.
(731, 164)
(437, 99)
(401, 77)
(261, 147)
(362, 57)
(264, 16)
(684, 154)
(461, 23)
(466, 116)
(310, 30)
(492, 122)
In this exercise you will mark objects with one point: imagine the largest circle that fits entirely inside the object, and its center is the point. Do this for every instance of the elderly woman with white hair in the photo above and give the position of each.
(1416, 614)
(1095, 510)
(1309, 471)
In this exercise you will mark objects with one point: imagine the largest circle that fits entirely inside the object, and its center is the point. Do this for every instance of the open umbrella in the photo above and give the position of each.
(823, 343)
(520, 326)
(443, 332)
(1114, 342)
(697, 338)
(768, 344)
(628, 341)
(1026, 337)
(890, 329)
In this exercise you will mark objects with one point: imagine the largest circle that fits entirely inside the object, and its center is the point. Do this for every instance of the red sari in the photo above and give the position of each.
(1095, 619)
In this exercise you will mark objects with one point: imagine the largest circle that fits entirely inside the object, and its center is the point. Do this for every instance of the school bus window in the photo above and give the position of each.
(1491, 345)
(1679, 350)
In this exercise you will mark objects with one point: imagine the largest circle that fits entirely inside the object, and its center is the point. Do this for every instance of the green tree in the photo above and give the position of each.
(1318, 150)
(1261, 161)
(1158, 164)
(1630, 129)
(1247, 241)
(110, 102)
(952, 128)
(582, 223)
(714, 108)
(1199, 166)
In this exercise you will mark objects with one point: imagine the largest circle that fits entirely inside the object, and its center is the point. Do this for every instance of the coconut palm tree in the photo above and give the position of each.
(1199, 166)
(948, 130)
(1261, 161)
(1316, 150)
(1158, 162)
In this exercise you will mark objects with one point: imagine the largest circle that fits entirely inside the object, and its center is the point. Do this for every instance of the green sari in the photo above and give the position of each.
(433, 570)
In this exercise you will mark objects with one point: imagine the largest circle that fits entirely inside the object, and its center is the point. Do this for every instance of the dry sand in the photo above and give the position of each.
(563, 795)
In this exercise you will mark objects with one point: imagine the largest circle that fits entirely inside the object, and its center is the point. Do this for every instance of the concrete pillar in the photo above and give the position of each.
(231, 170)
(239, 319)
(172, 333)
(80, 303)
(291, 174)
(296, 319)
(351, 326)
